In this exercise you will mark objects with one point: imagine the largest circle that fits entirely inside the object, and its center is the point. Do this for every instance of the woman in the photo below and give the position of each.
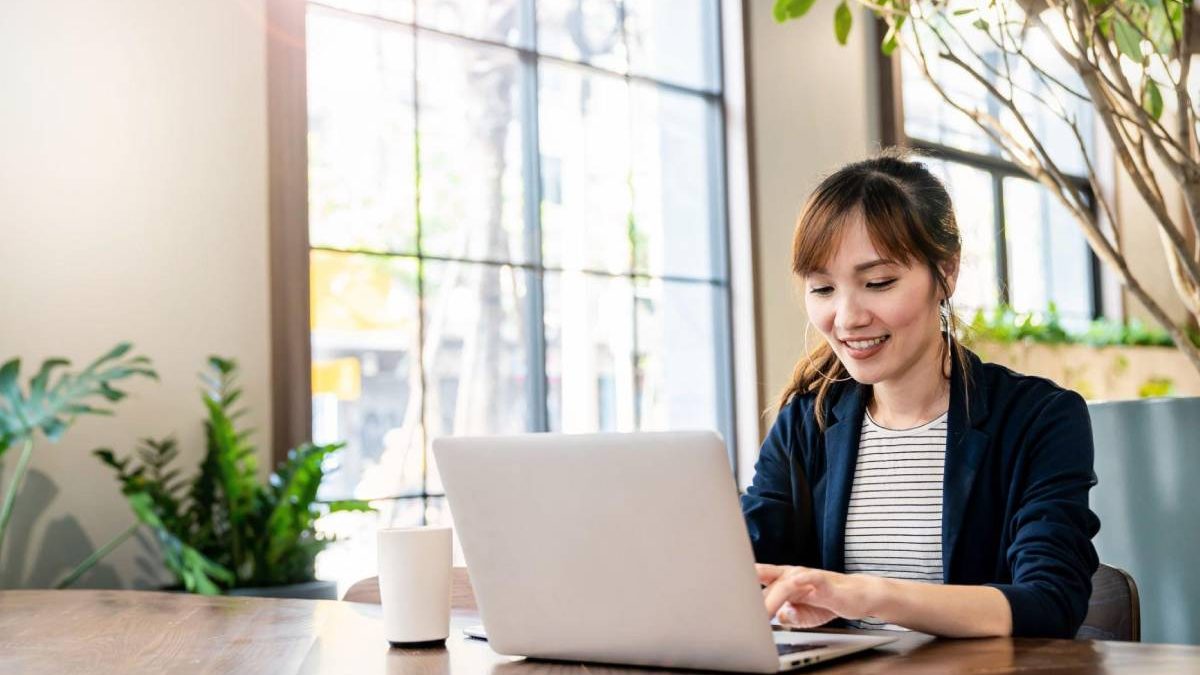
(906, 484)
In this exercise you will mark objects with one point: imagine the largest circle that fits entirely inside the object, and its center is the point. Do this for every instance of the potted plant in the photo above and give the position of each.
(222, 530)
(53, 404)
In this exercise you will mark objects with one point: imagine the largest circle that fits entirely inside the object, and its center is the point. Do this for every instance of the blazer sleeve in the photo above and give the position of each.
(1051, 557)
(778, 504)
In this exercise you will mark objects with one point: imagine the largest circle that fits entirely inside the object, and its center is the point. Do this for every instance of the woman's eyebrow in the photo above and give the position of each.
(861, 267)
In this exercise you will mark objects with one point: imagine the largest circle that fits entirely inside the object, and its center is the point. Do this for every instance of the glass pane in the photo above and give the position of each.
(366, 385)
(681, 367)
(1040, 99)
(929, 118)
(438, 513)
(360, 133)
(397, 10)
(588, 31)
(477, 350)
(495, 20)
(589, 352)
(974, 198)
(586, 200)
(469, 108)
(676, 185)
(674, 40)
(1048, 257)
(1033, 95)
(355, 554)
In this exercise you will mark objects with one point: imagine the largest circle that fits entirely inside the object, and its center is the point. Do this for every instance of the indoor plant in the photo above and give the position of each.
(52, 405)
(223, 529)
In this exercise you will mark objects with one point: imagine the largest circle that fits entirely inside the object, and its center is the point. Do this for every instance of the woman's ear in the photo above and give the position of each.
(950, 273)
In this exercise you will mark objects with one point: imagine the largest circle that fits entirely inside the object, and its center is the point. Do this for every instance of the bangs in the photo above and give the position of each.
(879, 203)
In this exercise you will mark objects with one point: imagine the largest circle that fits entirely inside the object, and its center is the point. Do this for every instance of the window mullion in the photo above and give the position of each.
(1001, 238)
(537, 413)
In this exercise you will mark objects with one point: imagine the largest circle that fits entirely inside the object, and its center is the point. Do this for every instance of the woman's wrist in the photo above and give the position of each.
(878, 595)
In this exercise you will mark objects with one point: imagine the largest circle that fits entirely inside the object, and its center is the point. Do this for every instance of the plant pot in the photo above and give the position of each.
(309, 590)
(1148, 465)
(1099, 373)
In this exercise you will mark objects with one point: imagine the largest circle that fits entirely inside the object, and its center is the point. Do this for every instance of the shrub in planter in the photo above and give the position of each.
(222, 529)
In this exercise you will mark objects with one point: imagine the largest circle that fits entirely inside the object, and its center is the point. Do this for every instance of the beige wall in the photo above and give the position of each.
(1143, 246)
(133, 206)
(813, 109)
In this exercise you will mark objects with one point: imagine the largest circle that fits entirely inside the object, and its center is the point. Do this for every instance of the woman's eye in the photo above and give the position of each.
(821, 290)
(880, 284)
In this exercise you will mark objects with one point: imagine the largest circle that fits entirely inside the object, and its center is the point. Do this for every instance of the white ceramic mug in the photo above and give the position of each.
(414, 584)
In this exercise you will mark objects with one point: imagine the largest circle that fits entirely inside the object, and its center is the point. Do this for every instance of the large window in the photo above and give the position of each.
(517, 223)
(1020, 245)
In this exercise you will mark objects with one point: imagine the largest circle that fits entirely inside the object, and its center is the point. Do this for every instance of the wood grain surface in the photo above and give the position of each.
(144, 632)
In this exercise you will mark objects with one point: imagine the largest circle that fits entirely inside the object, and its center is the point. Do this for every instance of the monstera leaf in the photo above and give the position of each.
(51, 407)
(52, 404)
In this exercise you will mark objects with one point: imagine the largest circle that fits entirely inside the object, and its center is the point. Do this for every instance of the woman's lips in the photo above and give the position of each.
(865, 349)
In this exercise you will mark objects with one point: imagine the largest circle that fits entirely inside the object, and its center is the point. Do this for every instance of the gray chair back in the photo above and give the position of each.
(1148, 463)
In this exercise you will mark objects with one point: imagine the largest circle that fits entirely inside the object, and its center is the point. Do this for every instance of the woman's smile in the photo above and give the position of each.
(864, 348)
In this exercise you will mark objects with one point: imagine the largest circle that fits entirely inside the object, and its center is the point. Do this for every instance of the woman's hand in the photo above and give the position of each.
(809, 597)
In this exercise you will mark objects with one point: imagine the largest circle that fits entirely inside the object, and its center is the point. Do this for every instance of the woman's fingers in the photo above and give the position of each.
(804, 616)
(792, 586)
(767, 574)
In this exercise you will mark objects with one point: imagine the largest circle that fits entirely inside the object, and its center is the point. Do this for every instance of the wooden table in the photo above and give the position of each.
(142, 632)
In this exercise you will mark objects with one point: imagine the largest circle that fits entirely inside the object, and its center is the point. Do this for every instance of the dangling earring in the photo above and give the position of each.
(946, 312)
(808, 355)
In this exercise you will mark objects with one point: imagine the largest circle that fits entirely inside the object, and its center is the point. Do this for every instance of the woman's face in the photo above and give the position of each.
(880, 317)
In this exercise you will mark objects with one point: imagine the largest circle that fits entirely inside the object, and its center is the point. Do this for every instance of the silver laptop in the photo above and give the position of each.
(617, 548)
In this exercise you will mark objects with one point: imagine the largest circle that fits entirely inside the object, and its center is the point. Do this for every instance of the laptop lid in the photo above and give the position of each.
(621, 548)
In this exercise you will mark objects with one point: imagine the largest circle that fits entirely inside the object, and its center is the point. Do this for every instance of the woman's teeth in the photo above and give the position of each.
(865, 344)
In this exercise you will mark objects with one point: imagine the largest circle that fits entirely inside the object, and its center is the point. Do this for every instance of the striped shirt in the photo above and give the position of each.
(894, 523)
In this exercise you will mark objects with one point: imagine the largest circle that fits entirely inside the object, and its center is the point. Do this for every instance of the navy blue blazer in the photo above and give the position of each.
(1015, 494)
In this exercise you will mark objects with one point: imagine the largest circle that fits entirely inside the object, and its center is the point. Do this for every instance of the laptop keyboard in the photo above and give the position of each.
(785, 649)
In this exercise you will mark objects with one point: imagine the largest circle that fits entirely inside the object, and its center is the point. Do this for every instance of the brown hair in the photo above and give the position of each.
(908, 215)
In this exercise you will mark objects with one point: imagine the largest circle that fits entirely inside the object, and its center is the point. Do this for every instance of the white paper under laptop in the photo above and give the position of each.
(617, 548)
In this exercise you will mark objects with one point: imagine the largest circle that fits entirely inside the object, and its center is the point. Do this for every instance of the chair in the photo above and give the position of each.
(1114, 610)
(462, 596)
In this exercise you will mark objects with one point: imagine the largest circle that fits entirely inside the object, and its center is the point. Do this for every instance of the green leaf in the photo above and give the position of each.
(1156, 387)
(981, 24)
(842, 20)
(53, 428)
(891, 39)
(1152, 99)
(37, 386)
(8, 380)
(111, 393)
(1128, 41)
(791, 9)
(1159, 27)
(1105, 25)
(114, 353)
(780, 11)
(349, 505)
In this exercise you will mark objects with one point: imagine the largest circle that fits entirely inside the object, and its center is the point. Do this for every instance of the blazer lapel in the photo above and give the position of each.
(965, 446)
(841, 454)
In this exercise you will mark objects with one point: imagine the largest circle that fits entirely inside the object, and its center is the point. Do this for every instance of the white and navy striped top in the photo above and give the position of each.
(894, 524)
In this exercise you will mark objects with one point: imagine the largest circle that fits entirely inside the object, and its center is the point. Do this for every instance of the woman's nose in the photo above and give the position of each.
(851, 314)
